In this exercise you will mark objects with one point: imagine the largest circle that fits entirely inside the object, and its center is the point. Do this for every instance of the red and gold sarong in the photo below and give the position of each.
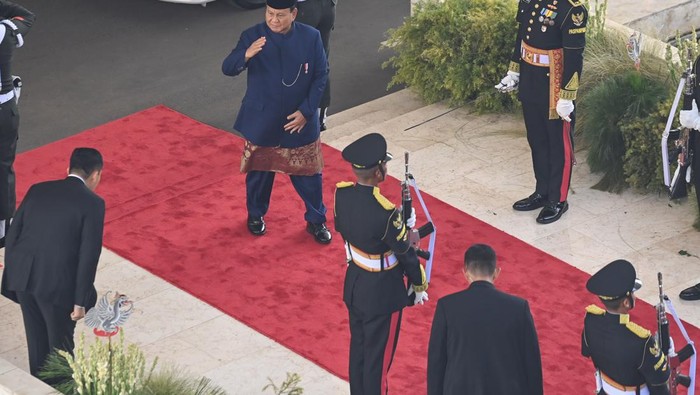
(306, 160)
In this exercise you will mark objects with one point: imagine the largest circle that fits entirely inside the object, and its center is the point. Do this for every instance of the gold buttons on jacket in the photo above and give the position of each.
(529, 29)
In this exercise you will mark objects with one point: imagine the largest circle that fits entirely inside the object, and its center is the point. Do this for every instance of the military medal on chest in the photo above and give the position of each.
(547, 18)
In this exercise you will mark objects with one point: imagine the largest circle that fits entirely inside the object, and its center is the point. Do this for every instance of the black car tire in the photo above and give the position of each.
(248, 4)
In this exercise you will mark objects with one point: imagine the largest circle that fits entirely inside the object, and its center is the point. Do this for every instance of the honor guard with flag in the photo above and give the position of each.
(626, 356)
(545, 68)
(379, 255)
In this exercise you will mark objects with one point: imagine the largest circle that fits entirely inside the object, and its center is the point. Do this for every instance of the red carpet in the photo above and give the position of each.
(176, 206)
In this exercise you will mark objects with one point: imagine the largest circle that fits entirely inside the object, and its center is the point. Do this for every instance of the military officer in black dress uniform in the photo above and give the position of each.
(691, 119)
(15, 22)
(545, 68)
(627, 358)
(379, 256)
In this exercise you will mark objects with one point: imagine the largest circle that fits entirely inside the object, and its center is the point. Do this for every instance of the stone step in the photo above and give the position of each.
(15, 381)
(658, 19)
(374, 112)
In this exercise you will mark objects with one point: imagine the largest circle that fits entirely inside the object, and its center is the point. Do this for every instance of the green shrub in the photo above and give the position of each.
(456, 51)
(176, 381)
(643, 164)
(616, 101)
(111, 368)
(290, 386)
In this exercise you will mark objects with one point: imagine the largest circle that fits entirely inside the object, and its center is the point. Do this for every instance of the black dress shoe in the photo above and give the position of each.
(692, 293)
(256, 225)
(323, 126)
(320, 232)
(532, 202)
(552, 212)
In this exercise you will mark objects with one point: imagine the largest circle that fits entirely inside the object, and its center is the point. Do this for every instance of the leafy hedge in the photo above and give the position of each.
(456, 51)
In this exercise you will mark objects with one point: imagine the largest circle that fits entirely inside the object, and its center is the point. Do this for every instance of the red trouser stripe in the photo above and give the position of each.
(389, 350)
(566, 171)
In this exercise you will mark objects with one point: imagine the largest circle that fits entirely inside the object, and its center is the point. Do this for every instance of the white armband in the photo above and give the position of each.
(11, 25)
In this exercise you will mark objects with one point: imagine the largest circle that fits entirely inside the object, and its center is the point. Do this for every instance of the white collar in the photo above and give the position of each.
(78, 177)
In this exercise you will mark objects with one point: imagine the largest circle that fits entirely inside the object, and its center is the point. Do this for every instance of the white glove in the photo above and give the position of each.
(565, 108)
(411, 221)
(420, 298)
(690, 118)
(17, 86)
(509, 83)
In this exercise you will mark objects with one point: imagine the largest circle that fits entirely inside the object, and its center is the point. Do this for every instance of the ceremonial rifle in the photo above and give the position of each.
(665, 343)
(414, 235)
(682, 154)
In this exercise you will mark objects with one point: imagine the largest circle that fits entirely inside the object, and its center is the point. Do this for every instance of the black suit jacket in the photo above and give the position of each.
(483, 342)
(54, 243)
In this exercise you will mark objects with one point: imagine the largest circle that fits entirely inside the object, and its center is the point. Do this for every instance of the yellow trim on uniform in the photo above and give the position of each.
(662, 360)
(638, 330)
(401, 234)
(424, 284)
(567, 94)
(593, 309)
(382, 200)
(344, 184)
(513, 66)
(624, 319)
(576, 3)
(572, 85)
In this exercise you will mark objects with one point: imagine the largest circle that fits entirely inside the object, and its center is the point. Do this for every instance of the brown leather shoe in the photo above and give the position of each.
(532, 202)
(320, 232)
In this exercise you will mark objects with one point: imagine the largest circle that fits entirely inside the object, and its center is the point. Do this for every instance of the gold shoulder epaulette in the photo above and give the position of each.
(382, 200)
(638, 330)
(576, 3)
(344, 184)
(593, 309)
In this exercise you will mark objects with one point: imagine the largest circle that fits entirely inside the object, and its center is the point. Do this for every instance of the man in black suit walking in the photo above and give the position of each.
(483, 341)
(53, 245)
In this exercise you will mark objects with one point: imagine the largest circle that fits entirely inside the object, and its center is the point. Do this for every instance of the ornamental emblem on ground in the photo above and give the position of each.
(111, 311)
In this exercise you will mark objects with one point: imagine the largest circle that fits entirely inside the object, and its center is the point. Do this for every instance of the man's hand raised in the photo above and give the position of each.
(254, 48)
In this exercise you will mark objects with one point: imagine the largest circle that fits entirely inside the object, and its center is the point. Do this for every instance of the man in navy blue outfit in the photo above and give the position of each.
(287, 74)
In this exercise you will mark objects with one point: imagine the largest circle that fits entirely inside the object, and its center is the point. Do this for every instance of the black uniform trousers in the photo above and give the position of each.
(694, 145)
(551, 143)
(310, 189)
(9, 126)
(47, 327)
(373, 342)
(321, 15)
